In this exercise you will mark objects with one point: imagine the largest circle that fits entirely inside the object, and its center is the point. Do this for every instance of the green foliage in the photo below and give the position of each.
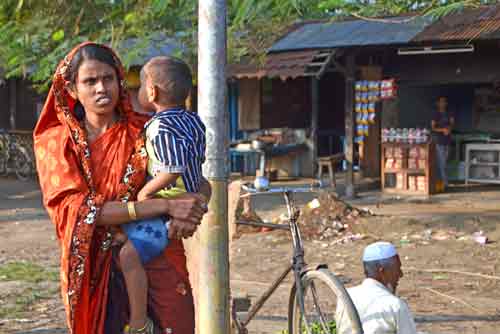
(36, 34)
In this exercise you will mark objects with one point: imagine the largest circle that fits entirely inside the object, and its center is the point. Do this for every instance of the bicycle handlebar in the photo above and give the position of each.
(279, 190)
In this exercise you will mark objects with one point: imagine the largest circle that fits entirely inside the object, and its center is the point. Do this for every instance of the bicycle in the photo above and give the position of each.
(14, 158)
(306, 315)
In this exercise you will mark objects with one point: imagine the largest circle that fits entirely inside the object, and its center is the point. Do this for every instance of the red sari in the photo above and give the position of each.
(76, 179)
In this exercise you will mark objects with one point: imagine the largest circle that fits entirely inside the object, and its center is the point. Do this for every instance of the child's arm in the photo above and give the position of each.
(159, 182)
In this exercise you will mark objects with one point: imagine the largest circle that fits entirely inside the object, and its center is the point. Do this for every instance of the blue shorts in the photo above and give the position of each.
(149, 237)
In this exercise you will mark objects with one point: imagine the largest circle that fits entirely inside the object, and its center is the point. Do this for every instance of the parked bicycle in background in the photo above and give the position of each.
(315, 291)
(16, 156)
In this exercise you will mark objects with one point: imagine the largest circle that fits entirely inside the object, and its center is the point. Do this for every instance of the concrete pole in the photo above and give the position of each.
(213, 293)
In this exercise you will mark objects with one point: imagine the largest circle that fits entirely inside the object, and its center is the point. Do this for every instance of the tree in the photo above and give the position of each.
(377, 8)
(36, 34)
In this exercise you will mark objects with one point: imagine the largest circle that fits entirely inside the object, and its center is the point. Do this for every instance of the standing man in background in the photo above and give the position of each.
(442, 124)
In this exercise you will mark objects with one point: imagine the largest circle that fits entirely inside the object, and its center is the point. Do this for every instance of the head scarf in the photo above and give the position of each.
(73, 201)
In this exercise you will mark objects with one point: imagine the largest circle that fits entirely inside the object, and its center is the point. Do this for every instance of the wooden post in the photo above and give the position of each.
(349, 123)
(12, 103)
(314, 120)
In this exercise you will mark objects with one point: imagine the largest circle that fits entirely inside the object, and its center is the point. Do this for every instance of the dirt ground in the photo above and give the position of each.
(441, 261)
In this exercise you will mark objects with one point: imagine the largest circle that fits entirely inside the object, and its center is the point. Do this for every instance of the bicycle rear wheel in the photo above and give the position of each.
(322, 291)
(22, 162)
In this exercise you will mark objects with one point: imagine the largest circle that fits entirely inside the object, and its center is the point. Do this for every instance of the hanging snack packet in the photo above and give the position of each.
(359, 117)
(358, 85)
(371, 118)
(360, 130)
(358, 107)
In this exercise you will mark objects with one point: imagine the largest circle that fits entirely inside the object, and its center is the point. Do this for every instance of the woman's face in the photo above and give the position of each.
(96, 87)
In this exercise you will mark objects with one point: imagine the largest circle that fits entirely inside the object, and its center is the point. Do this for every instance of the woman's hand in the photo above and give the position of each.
(187, 207)
(186, 212)
(179, 229)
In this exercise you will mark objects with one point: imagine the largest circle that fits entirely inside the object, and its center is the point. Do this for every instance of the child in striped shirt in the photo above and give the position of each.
(175, 143)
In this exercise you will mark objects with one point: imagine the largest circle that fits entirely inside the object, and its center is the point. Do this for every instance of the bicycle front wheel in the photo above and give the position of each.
(322, 292)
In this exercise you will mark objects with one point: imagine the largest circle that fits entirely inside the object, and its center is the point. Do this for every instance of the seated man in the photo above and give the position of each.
(380, 310)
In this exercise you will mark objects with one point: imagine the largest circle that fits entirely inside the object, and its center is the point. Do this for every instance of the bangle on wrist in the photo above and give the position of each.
(132, 214)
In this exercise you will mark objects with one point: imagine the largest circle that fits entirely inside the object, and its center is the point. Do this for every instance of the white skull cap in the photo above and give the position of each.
(380, 250)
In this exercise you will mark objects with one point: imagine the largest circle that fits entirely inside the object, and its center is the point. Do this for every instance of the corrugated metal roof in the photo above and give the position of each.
(284, 65)
(471, 24)
(319, 35)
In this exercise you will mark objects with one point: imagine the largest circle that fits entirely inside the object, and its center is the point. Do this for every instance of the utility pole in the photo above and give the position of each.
(213, 293)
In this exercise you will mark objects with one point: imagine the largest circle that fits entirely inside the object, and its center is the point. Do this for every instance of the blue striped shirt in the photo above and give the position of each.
(178, 140)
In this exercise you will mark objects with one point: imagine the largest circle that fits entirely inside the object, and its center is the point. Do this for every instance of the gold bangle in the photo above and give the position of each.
(131, 211)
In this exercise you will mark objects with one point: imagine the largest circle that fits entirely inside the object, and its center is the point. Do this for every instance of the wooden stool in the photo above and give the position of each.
(329, 162)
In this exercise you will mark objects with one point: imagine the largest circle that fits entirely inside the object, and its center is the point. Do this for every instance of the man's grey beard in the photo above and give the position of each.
(390, 288)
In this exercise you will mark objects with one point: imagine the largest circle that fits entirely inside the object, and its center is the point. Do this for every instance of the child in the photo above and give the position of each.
(175, 143)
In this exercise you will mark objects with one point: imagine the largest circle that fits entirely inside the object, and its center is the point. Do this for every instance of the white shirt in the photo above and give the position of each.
(380, 311)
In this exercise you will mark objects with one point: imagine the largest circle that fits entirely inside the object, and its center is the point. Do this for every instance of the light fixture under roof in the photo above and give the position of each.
(421, 50)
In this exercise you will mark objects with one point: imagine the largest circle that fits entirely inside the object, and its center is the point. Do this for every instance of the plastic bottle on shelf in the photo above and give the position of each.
(425, 135)
(399, 135)
(416, 134)
(404, 135)
(385, 135)
(392, 135)
(411, 135)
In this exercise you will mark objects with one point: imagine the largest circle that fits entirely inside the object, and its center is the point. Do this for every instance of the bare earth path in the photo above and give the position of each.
(429, 234)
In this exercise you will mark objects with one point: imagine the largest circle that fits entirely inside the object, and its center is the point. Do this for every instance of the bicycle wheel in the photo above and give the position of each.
(322, 292)
(22, 163)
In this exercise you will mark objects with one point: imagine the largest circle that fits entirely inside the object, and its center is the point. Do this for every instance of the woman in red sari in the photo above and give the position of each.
(91, 163)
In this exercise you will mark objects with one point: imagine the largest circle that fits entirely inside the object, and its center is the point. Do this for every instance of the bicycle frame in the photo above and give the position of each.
(297, 266)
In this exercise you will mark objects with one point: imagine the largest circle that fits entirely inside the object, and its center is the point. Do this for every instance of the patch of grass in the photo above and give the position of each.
(316, 328)
(27, 272)
(21, 303)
